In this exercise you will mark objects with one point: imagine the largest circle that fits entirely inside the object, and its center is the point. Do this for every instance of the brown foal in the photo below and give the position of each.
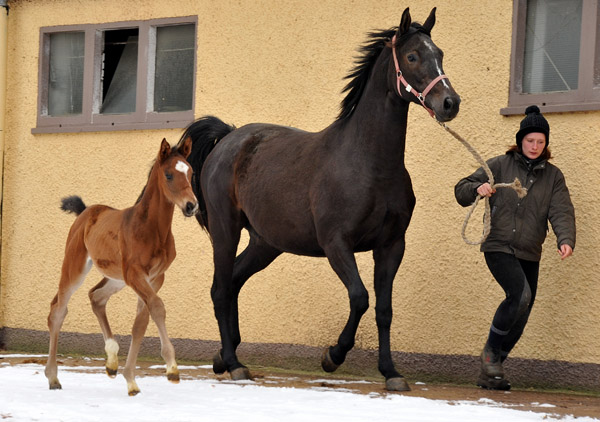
(132, 247)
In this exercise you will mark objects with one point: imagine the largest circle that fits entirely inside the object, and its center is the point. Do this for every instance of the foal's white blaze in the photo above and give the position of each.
(182, 167)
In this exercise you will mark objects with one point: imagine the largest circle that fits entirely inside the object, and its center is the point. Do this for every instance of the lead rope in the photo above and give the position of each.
(487, 218)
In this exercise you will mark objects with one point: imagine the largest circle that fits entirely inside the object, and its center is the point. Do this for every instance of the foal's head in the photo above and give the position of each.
(175, 174)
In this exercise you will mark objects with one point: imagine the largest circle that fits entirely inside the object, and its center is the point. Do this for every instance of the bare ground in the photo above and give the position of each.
(558, 403)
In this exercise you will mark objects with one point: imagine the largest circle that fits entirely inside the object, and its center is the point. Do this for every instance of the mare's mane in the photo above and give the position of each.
(364, 63)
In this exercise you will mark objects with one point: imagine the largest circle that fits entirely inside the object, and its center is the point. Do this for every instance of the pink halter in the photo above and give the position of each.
(400, 79)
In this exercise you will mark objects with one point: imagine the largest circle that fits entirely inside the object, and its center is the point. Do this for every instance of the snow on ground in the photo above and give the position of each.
(89, 395)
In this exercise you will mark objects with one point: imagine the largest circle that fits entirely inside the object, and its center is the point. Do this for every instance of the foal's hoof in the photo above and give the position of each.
(133, 392)
(396, 384)
(132, 388)
(111, 372)
(327, 363)
(241, 373)
(173, 377)
(55, 386)
(218, 364)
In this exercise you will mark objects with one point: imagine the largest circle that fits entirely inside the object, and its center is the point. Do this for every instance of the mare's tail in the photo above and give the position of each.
(73, 204)
(205, 133)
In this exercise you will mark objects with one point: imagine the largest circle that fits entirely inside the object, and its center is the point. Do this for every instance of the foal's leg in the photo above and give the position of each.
(343, 263)
(99, 295)
(75, 267)
(154, 307)
(387, 261)
(137, 333)
(256, 257)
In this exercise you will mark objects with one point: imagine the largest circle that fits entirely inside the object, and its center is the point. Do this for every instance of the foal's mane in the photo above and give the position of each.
(369, 52)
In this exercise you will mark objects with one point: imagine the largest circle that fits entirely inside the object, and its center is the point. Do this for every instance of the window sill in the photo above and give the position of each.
(108, 126)
(555, 108)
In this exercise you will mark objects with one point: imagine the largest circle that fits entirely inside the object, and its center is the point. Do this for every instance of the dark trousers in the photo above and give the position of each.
(519, 280)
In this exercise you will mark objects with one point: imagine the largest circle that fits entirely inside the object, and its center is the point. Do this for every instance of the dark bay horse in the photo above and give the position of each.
(332, 193)
(132, 247)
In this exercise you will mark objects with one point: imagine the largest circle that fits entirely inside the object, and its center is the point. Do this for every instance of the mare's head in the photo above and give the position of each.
(419, 61)
(175, 174)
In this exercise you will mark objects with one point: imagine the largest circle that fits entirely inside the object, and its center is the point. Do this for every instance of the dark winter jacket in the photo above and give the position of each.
(519, 226)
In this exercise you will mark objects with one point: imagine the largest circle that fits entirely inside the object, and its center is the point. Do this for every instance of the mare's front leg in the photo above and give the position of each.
(342, 261)
(225, 234)
(387, 260)
(99, 296)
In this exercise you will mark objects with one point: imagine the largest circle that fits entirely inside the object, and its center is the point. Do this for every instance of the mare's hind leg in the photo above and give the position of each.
(387, 261)
(99, 295)
(75, 267)
(256, 257)
(343, 263)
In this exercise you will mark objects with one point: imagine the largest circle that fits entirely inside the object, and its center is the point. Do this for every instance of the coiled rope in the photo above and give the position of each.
(487, 218)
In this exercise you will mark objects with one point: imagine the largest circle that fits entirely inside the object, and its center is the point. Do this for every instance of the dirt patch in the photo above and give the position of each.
(559, 404)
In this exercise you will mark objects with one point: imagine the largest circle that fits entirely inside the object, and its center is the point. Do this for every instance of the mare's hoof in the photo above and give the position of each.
(327, 363)
(241, 373)
(396, 384)
(218, 364)
(111, 372)
(173, 377)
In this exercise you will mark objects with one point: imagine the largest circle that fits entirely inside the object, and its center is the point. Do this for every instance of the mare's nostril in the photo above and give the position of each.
(448, 103)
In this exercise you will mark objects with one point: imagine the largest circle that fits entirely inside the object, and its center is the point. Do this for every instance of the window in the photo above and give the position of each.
(118, 76)
(555, 59)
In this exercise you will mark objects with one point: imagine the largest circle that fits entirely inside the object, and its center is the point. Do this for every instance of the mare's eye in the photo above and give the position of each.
(411, 58)
(169, 176)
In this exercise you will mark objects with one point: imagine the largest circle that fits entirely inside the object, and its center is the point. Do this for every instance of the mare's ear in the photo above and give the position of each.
(165, 150)
(186, 148)
(430, 21)
(404, 23)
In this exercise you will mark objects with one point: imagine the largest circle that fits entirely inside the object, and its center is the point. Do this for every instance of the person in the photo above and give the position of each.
(513, 247)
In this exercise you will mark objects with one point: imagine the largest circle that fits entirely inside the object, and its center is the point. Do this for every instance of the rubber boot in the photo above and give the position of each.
(492, 373)
(490, 383)
(491, 364)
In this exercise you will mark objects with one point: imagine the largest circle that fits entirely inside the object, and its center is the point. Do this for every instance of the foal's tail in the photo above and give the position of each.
(205, 133)
(73, 204)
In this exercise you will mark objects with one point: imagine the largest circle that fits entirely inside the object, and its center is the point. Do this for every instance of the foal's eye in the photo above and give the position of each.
(169, 176)
(411, 58)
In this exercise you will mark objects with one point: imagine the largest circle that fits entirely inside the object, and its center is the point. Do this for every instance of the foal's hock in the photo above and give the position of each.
(131, 247)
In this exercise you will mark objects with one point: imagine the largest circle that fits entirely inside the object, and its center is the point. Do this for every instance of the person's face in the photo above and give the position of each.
(533, 145)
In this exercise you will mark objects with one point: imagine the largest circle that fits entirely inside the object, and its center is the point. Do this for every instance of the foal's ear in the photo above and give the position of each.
(186, 148)
(165, 150)
(404, 23)
(430, 21)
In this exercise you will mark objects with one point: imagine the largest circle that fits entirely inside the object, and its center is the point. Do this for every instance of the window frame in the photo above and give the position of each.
(585, 98)
(90, 120)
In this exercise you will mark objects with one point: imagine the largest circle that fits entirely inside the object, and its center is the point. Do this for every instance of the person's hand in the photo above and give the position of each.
(486, 190)
(565, 251)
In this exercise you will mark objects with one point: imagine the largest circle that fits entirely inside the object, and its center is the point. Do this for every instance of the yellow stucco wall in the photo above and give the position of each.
(284, 62)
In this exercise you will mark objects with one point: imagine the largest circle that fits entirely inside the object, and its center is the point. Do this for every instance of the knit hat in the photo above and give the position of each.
(534, 121)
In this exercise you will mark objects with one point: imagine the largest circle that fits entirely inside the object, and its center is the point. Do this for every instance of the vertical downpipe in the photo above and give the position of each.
(3, 55)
